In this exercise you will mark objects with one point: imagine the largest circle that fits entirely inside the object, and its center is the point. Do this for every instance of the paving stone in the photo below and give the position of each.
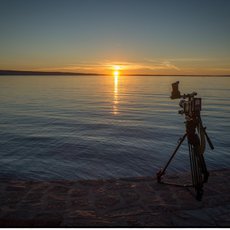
(128, 202)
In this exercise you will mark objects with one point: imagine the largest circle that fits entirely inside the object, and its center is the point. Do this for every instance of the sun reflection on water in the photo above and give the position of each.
(115, 94)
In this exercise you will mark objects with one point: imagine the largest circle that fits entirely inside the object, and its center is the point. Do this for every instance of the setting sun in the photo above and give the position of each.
(116, 73)
(116, 70)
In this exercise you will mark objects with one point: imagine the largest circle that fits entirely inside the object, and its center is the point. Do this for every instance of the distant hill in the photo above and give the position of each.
(21, 72)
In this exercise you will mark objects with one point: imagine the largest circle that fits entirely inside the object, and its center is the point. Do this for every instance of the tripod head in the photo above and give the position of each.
(189, 103)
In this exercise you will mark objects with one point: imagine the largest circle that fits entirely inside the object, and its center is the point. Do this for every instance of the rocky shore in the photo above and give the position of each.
(130, 202)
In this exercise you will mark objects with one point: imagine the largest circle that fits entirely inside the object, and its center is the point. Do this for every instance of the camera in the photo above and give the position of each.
(189, 103)
(195, 133)
(190, 107)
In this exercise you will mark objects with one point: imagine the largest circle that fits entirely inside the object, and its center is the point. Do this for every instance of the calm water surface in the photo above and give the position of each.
(72, 127)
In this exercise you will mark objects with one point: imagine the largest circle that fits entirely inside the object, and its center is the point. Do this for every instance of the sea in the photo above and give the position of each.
(100, 127)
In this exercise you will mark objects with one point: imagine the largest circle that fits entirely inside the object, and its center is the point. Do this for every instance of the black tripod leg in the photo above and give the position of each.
(208, 139)
(196, 168)
(206, 135)
(161, 172)
(203, 168)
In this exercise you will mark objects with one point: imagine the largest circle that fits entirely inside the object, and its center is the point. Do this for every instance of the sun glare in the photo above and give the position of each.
(117, 67)
(116, 71)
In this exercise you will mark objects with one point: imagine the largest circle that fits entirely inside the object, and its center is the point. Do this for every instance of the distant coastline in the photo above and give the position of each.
(41, 73)
(22, 72)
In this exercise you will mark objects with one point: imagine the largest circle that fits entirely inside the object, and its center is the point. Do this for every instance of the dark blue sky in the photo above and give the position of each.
(167, 36)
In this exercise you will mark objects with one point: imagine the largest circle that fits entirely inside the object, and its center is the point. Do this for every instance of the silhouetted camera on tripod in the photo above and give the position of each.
(189, 104)
(196, 136)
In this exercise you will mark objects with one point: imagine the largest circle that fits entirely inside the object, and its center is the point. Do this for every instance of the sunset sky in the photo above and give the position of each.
(140, 36)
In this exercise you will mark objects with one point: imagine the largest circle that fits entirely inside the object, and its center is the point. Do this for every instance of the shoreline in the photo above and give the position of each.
(126, 202)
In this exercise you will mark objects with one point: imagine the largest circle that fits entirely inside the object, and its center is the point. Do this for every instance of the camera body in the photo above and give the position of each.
(189, 103)
(191, 106)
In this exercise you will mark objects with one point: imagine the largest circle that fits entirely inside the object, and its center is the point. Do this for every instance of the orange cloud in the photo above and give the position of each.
(125, 67)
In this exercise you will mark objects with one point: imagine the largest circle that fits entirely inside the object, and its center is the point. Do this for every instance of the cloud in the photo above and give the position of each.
(106, 66)
(194, 59)
(78, 67)
(147, 65)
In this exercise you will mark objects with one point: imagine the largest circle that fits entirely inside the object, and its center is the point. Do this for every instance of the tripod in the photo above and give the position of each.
(196, 135)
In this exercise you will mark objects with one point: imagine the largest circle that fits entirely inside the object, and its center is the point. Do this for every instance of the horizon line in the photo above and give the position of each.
(40, 73)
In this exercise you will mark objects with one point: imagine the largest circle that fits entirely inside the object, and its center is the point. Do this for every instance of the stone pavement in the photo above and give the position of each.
(130, 202)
